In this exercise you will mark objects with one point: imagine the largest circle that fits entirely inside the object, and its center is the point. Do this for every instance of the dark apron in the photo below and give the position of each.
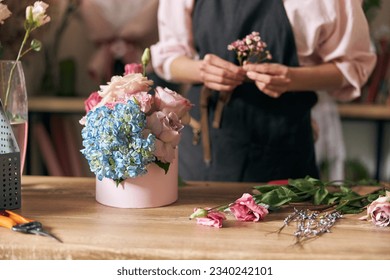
(260, 138)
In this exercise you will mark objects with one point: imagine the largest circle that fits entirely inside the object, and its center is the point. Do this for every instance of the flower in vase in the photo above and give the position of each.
(4, 12)
(35, 17)
(127, 127)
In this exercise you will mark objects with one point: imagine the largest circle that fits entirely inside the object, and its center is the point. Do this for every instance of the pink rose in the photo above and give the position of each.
(133, 68)
(93, 99)
(145, 101)
(379, 211)
(167, 100)
(166, 128)
(164, 152)
(212, 219)
(246, 209)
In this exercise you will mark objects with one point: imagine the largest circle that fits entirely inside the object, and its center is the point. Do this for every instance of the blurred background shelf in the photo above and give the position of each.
(364, 111)
(73, 105)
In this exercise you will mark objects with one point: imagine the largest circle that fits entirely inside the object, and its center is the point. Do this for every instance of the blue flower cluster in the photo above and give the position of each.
(114, 144)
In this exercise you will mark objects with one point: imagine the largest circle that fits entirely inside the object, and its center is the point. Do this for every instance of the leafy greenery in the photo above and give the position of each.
(369, 4)
(339, 196)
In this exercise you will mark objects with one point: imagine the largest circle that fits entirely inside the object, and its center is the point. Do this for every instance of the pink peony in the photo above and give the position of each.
(246, 209)
(212, 219)
(93, 99)
(133, 68)
(167, 100)
(379, 211)
(122, 88)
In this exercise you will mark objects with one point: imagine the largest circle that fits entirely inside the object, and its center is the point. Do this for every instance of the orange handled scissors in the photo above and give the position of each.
(18, 223)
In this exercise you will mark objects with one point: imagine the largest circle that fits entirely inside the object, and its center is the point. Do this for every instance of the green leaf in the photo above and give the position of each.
(278, 197)
(163, 165)
(330, 200)
(345, 189)
(320, 195)
(266, 188)
(306, 184)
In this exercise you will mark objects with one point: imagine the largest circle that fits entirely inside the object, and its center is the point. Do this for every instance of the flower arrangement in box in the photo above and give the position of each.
(127, 128)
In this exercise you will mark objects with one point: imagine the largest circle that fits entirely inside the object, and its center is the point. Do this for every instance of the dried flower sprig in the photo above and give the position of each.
(311, 224)
(250, 47)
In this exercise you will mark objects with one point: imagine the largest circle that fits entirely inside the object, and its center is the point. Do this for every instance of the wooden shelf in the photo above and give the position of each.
(76, 105)
(56, 105)
(364, 111)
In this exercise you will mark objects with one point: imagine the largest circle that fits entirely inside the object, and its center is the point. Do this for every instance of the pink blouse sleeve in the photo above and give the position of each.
(334, 31)
(175, 35)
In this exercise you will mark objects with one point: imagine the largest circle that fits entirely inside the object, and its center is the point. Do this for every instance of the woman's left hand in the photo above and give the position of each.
(271, 78)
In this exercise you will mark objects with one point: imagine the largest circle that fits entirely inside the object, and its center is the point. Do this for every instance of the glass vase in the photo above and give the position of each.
(13, 94)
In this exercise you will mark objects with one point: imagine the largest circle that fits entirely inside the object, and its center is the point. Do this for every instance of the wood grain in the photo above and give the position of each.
(67, 207)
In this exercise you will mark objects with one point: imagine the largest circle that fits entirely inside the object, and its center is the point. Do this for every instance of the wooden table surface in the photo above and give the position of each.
(67, 207)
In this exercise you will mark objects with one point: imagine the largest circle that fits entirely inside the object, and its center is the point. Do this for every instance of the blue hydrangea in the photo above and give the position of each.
(113, 142)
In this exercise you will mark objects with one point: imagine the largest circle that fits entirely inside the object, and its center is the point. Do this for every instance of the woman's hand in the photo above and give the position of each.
(271, 78)
(219, 74)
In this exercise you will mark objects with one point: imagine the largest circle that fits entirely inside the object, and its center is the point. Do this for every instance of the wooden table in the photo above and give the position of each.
(67, 207)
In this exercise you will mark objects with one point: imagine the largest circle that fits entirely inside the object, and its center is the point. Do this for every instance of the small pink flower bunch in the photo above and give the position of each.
(126, 127)
(243, 209)
(250, 47)
(379, 211)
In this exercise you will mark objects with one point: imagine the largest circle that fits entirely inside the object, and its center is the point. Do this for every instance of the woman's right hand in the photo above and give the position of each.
(219, 74)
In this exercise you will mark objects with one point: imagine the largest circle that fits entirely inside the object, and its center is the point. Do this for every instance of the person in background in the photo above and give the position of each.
(121, 30)
(265, 131)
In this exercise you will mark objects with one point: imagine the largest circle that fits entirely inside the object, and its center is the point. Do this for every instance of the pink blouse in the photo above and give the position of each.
(325, 31)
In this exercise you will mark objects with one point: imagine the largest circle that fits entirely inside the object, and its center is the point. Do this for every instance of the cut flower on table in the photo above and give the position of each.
(336, 198)
(378, 212)
(243, 209)
(127, 128)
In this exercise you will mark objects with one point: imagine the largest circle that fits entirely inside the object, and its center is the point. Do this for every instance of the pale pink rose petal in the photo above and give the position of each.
(170, 101)
(145, 100)
(379, 211)
(164, 152)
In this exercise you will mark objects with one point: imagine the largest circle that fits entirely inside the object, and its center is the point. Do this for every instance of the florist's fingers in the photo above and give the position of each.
(268, 68)
(267, 82)
(219, 87)
(217, 66)
(272, 91)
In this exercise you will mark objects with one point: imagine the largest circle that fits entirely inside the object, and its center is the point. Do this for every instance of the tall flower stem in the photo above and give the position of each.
(20, 54)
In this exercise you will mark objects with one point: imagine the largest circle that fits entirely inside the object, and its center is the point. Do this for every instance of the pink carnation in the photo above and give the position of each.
(133, 68)
(212, 219)
(93, 99)
(246, 209)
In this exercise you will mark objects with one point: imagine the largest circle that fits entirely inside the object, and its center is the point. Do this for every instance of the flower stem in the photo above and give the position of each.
(20, 54)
